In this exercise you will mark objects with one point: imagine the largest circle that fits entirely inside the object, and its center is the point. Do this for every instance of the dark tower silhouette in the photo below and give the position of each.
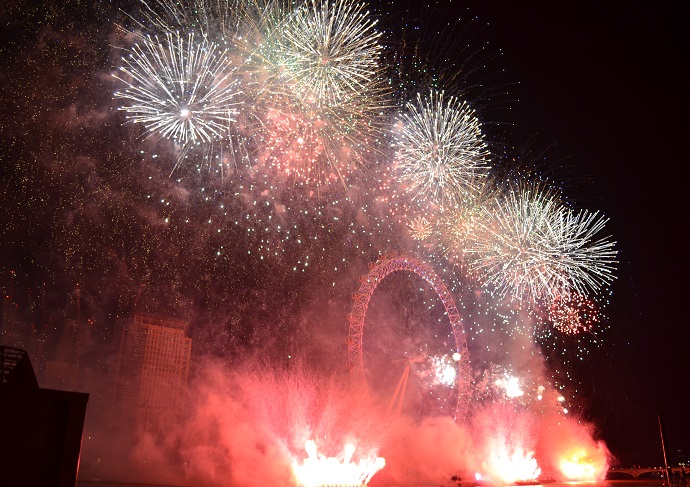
(41, 428)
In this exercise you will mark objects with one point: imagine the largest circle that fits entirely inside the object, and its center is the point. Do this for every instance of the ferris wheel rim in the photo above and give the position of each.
(378, 271)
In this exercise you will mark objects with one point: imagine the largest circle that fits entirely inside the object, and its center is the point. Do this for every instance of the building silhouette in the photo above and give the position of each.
(63, 359)
(153, 369)
(42, 428)
(62, 365)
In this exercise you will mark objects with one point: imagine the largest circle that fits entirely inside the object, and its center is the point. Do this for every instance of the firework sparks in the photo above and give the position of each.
(440, 150)
(511, 385)
(180, 88)
(509, 455)
(420, 228)
(573, 314)
(590, 260)
(319, 67)
(328, 52)
(293, 145)
(444, 370)
(318, 470)
(463, 224)
(533, 247)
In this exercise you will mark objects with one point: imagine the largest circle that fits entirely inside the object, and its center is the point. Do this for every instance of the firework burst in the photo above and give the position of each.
(440, 150)
(293, 145)
(328, 52)
(499, 384)
(420, 228)
(179, 88)
(317, 147)
(318, 66)
(533, 247)
(220, 20)
(573, 314)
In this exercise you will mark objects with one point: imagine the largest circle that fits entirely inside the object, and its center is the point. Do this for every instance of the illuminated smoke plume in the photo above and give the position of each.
(249, 426)
(569, 449)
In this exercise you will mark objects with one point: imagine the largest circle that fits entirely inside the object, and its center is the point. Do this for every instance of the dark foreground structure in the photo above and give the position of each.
(41, 429)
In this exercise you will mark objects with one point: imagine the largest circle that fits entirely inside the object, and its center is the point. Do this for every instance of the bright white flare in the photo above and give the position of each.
(180, 88)
(318, 470)
(532, 247)
(510, 465)
(444, 370)
(440, 150)
(511, 385)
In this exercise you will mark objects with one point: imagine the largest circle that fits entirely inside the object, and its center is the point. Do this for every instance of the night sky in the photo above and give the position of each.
(608, 86)
(600, 92)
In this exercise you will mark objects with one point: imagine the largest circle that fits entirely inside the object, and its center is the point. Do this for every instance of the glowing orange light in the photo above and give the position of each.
(318, 470)
(582, 465)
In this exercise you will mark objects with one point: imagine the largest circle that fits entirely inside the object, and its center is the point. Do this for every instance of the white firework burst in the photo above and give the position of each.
(588, 259)
(179, 88)
(532, 247)
(327, 52)
(440, 150)
(318, 67)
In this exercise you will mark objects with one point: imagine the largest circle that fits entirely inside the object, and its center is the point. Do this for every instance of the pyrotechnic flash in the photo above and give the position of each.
(179, 88)
(508, 445)
(511, 386)
(328, 52)
(440, 150)
(444, 370)
(584, 463)
(532, 247)
(318, 470)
